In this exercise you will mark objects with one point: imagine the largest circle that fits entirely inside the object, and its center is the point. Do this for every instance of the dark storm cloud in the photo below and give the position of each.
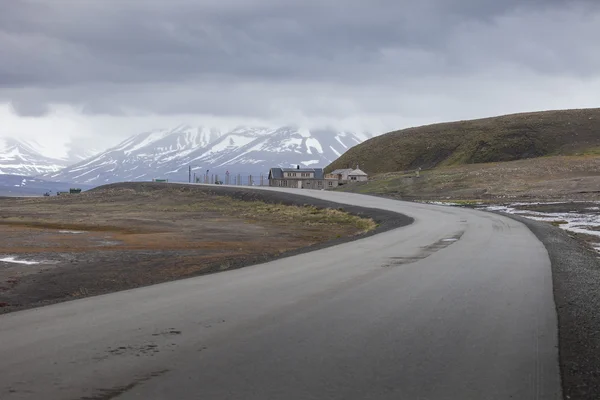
(161, 55)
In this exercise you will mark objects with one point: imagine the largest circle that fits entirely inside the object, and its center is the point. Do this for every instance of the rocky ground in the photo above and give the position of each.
(130, 235)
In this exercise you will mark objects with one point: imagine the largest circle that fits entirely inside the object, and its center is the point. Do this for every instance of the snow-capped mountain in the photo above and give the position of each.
(78, 152)
(30, 158)
(244, 150)
(19, 157)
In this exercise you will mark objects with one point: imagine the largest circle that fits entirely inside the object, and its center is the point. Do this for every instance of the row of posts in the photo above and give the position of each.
(239, 180)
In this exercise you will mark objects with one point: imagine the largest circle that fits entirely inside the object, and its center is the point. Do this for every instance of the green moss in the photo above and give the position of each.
(558, 223)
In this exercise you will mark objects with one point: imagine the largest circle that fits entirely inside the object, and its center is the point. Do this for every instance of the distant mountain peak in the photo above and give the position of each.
(18, 157)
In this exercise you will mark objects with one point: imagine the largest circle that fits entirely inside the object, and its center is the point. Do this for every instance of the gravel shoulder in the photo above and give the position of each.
(576, 279)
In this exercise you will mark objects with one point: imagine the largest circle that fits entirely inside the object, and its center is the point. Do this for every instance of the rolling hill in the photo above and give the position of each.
(498, 139)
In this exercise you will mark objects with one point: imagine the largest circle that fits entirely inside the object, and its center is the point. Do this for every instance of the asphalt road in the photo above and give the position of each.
(457, 305)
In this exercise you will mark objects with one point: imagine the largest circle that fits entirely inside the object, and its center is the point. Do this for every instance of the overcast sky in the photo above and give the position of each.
(111, 68)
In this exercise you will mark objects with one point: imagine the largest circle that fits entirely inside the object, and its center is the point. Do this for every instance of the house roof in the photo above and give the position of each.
(341, 171)
(277, 173)
(357, 172)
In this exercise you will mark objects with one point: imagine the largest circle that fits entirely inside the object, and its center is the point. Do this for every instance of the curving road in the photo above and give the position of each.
(457, 305)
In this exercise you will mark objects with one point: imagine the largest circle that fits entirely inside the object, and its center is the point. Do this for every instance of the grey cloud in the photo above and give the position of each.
(193, 56)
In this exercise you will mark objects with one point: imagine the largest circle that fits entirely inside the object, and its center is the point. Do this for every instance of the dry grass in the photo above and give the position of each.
(560, 177)
(131, 237)
(129, 212)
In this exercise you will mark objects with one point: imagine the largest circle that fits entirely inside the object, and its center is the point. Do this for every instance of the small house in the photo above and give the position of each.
(339, 174)
(356, 175)
(348, 175)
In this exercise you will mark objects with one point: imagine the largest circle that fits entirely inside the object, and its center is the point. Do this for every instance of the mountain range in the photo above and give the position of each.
(168, 154)
(29, 158)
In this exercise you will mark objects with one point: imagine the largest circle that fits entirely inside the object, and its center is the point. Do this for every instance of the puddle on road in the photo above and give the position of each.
(426, 251)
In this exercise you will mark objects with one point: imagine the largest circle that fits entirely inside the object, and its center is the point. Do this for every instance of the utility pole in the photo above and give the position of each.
(190, 175)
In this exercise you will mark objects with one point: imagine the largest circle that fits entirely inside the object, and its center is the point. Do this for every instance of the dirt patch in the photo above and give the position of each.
(130, 235)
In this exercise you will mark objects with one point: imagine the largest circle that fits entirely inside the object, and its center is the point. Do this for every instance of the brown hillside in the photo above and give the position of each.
(505, 138)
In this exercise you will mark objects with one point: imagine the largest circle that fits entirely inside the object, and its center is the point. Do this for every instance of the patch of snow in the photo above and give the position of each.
(13, 260)
(440, 203)
(337, 153)
(305, 133)
(340, 141)
(228, 142)
(291, 142)
(88, 172)
(310, 162)
(72, 232)
(92, 179)
(574, 221)
(361, 136)
(314, 143)
(151, 137)
(256, 147)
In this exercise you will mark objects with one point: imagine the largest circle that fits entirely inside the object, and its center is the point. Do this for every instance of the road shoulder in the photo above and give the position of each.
(576, 281)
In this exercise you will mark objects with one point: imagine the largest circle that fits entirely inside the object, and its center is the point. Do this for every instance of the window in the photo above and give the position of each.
(352, 178)
(330, 183)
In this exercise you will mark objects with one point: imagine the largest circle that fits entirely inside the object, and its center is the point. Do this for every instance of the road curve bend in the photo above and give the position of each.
(457, 305)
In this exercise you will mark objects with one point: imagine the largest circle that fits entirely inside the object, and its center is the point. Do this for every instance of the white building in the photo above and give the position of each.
(348, 175)
(356, 175)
